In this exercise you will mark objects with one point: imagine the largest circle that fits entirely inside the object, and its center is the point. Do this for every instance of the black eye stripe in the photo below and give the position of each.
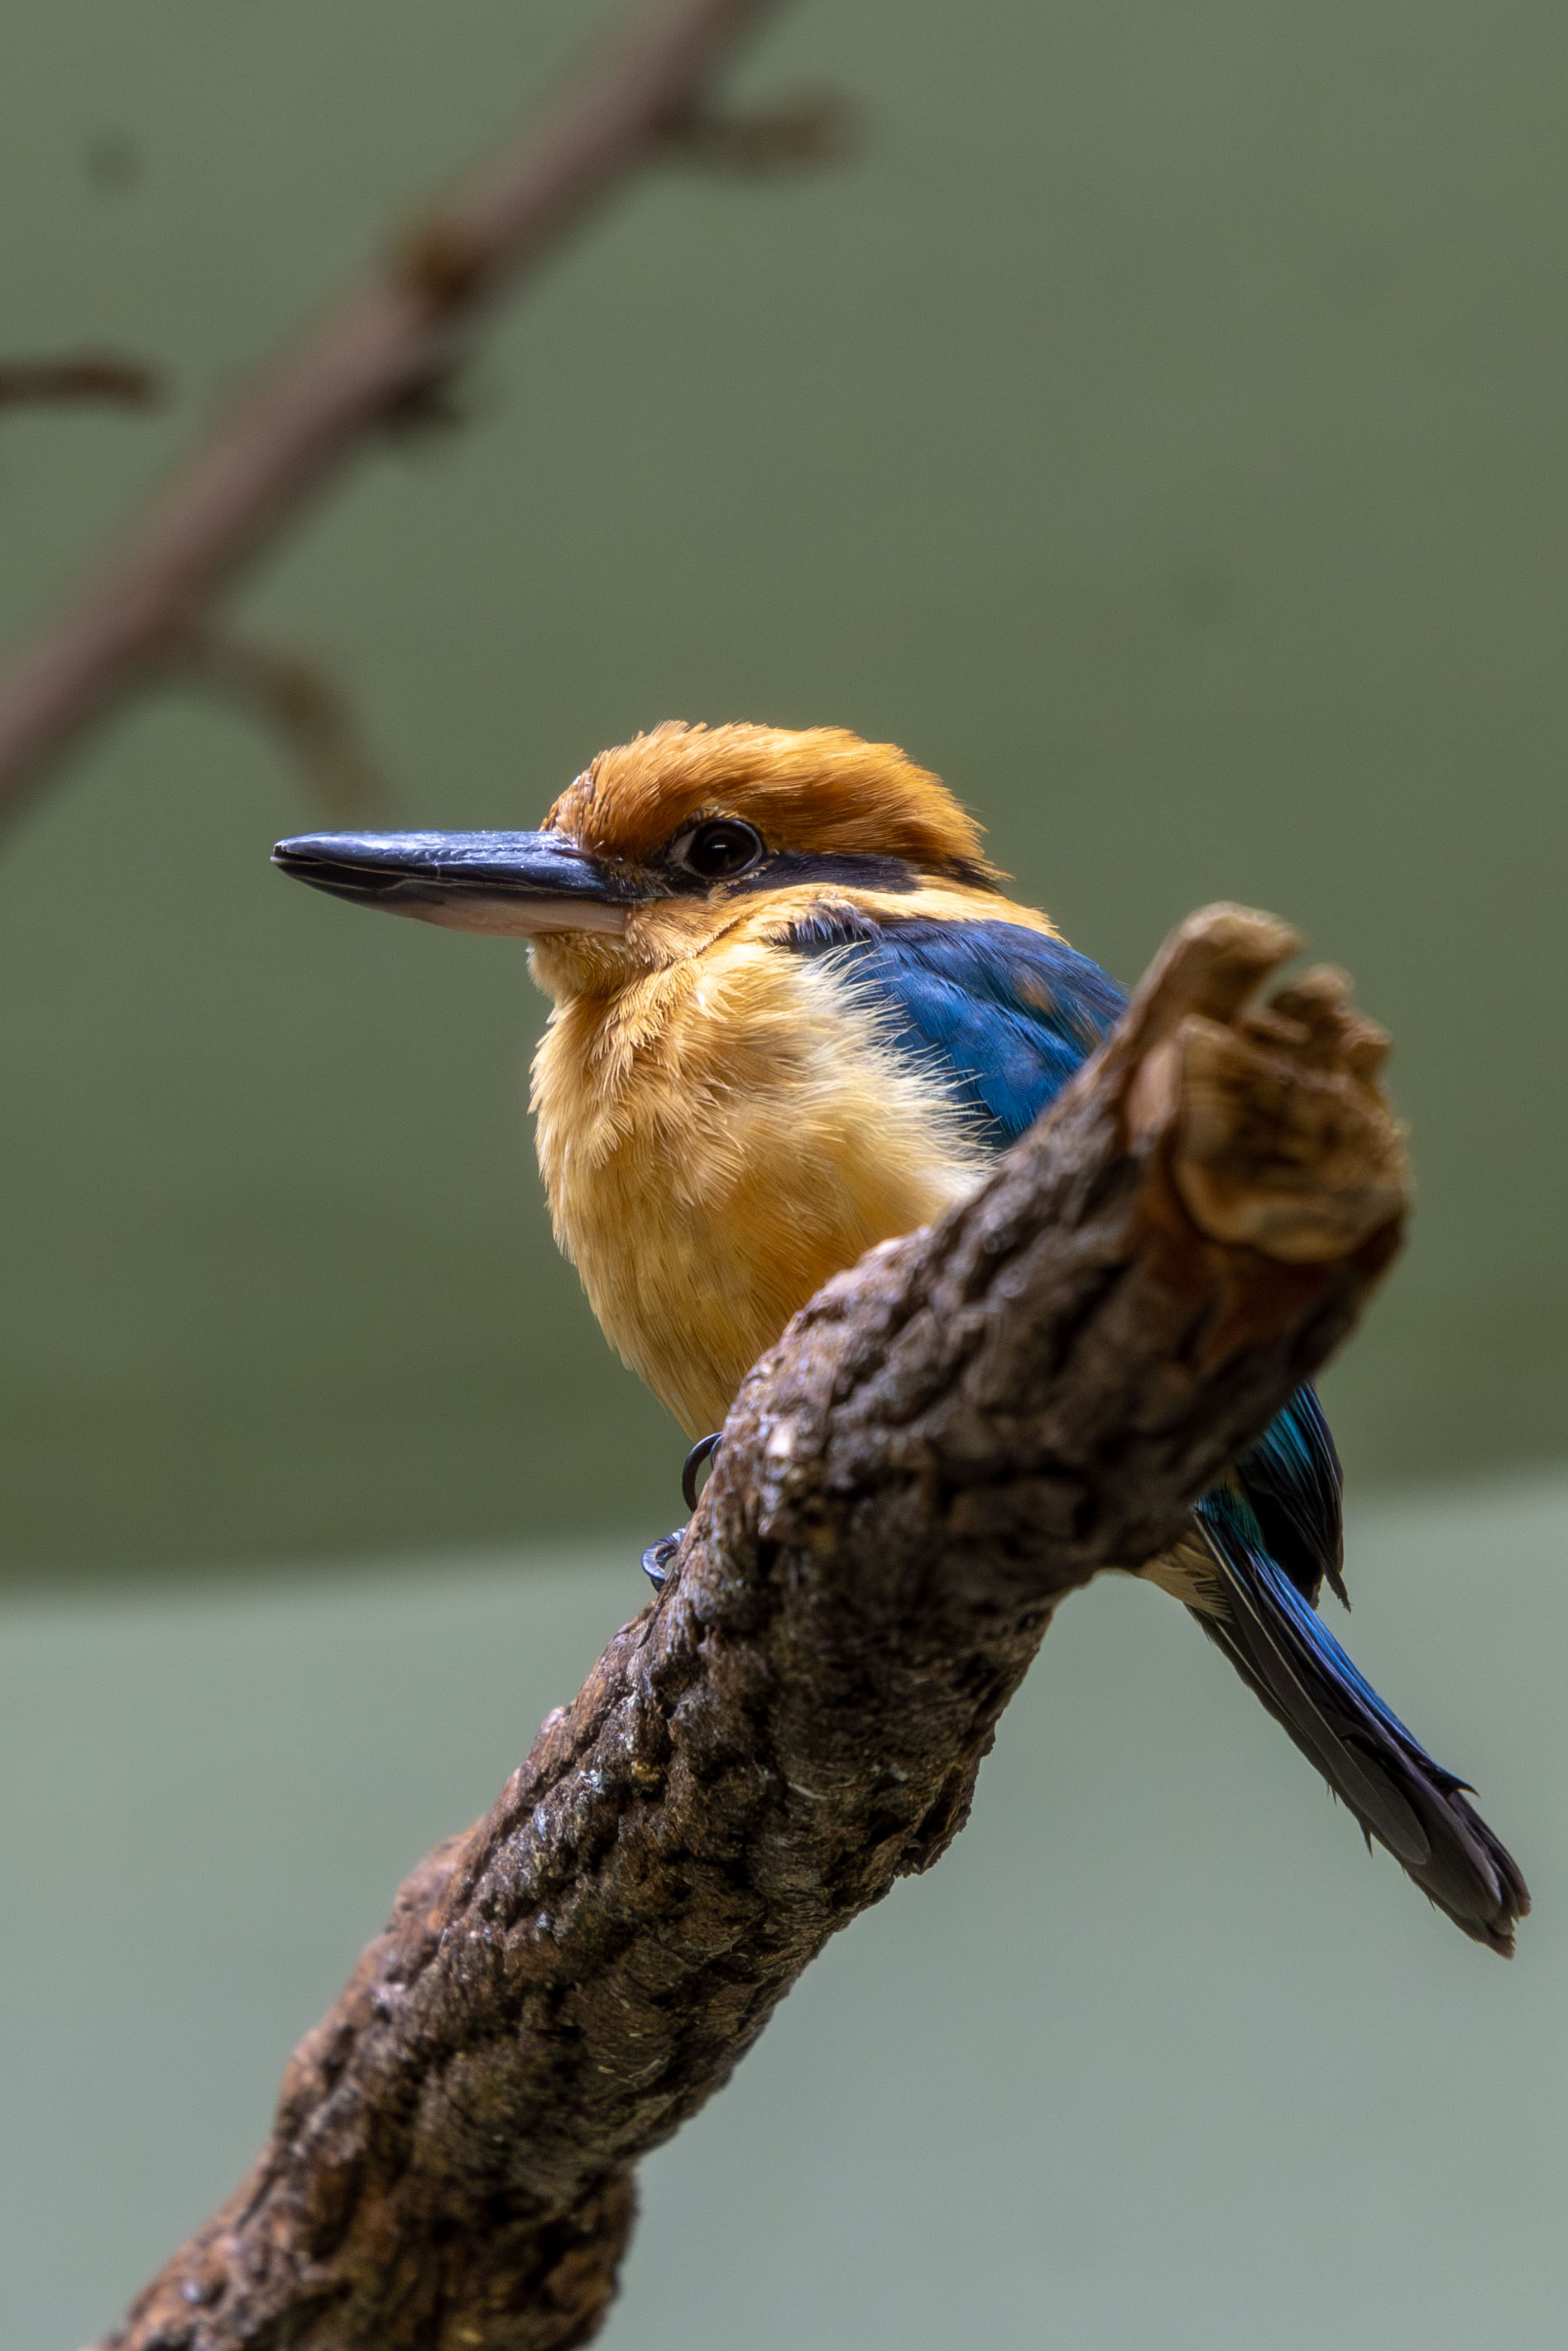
(789, 867)
(784, 869)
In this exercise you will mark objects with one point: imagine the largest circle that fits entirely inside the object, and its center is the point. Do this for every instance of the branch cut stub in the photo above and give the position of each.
(1278, 1136)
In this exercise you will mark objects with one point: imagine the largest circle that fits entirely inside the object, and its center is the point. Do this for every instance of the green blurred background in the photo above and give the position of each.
(1159, 430)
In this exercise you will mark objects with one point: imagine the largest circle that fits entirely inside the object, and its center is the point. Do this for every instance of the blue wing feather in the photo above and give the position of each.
(1009, 1015)
(1293, 1484)
(1012, 1013)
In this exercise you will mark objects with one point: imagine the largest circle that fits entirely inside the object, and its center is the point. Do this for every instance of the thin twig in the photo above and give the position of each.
(799, 133)
(388, 346)
(962, 1428)
(301, 703)
(82, 376)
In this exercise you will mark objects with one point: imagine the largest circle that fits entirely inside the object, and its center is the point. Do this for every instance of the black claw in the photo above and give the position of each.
(705, 1449)
(657, 1557)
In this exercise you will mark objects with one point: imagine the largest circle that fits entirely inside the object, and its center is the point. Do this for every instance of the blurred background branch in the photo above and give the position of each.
(85, 376)
(802, 133)
(386, 356)
(303, 705)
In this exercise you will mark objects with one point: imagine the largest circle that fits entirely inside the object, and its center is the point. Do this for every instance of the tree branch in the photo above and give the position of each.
(302, 704)
(83, 376)
(964, 1428)
(383, 357)
(802, 133)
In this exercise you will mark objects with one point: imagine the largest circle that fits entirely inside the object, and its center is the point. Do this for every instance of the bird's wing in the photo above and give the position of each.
(1008, 1013)
(1292, 1482)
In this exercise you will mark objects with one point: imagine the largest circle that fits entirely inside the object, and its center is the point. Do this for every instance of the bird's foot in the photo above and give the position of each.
(703, 1456)
(658, 1556)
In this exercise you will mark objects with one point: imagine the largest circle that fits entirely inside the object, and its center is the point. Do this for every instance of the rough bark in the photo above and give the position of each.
(964, 1428)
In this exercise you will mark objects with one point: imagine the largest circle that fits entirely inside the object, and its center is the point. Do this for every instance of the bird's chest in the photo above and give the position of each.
(716, 1145)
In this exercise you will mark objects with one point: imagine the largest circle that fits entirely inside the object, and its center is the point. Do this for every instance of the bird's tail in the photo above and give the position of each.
(1283, 1649)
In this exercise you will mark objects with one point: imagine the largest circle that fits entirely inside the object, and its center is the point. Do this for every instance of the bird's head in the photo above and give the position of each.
(663, 843)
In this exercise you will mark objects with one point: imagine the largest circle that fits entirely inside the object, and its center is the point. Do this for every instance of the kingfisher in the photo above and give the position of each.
(794, 1014)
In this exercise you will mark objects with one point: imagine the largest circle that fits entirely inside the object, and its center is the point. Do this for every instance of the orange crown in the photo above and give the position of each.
(823, 790)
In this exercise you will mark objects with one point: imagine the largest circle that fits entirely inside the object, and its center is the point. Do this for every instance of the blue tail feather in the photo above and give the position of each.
(1414, 1807)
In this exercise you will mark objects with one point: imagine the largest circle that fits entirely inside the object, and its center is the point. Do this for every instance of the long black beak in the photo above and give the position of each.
(527, 883)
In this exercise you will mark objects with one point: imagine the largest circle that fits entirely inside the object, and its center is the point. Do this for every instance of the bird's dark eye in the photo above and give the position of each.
(722, 847)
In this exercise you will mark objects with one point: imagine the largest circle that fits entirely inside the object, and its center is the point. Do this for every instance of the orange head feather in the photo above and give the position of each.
(820, 791)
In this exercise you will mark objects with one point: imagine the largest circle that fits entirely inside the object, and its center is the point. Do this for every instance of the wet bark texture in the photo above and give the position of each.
(955, 1433)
